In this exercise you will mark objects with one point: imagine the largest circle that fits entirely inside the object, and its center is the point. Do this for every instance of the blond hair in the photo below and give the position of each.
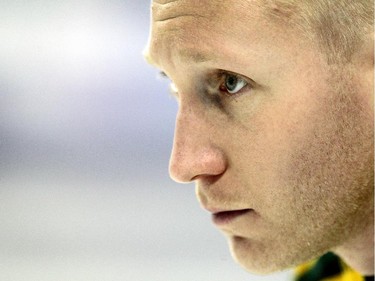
(339, 27)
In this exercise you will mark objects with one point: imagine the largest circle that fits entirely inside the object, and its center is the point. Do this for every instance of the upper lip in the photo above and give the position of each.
(214, 206)
(215, 211)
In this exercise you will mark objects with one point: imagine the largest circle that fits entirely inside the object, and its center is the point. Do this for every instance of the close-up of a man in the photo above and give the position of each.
(275, 127)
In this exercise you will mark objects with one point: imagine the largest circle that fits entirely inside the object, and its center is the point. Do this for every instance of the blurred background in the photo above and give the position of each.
(86, 127)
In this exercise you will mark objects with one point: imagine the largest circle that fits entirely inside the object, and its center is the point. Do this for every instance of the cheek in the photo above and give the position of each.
(273, 137)
(302, 149)
(272, 153)
(260, 155)
(324, 165)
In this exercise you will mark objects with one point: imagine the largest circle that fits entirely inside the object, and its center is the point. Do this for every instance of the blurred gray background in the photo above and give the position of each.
(86, 127)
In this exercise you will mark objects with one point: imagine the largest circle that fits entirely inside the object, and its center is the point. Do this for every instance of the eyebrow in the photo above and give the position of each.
(185, 54)
(196, 56)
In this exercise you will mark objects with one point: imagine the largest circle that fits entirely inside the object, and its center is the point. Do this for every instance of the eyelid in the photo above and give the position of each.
(162, 74)
(222, 73)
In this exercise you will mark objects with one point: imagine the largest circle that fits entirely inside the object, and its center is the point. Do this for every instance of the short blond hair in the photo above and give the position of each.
(340, 27)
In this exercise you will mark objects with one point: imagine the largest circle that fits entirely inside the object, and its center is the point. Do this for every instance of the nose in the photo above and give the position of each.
(194, 154)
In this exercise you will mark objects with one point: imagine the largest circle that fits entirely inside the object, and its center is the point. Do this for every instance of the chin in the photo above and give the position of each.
(258, 259)
(256, 267)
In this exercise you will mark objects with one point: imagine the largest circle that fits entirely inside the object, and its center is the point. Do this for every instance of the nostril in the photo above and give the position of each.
(207, 179)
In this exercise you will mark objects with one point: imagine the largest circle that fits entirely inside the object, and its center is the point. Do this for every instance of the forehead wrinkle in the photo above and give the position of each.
(185, 32)
(163, 10)
(164, 1)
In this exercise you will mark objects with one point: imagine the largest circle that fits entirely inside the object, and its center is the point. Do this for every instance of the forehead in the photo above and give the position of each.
(190, 29)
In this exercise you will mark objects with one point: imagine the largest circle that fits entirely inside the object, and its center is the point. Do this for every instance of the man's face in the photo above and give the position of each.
(278, 143)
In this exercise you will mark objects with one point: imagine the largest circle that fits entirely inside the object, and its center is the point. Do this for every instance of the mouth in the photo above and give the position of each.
(225, 217)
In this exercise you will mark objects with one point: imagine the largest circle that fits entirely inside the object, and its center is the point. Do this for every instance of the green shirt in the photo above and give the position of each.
(329, 267)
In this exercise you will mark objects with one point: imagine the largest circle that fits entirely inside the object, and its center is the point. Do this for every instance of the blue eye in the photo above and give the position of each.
(233, 84)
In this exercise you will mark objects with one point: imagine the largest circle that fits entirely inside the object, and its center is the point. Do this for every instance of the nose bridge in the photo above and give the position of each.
(193, 152)
(189, 134)
(189, 123)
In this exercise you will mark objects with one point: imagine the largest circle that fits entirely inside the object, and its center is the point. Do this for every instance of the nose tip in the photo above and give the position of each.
(187, 165)
(195, 152)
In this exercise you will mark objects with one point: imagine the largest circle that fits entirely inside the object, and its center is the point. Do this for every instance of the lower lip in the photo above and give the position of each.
(229, 216)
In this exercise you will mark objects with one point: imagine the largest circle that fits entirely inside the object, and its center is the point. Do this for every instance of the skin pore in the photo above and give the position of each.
(266, 125)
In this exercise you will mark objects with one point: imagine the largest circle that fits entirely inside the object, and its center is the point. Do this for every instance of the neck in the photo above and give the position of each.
(358, 252)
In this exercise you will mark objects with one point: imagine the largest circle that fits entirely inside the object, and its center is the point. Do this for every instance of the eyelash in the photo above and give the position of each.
(172, 88)
(220, 80)
(222, 75)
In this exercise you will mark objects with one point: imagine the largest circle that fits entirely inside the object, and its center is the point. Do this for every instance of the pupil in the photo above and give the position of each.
(231, 82)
